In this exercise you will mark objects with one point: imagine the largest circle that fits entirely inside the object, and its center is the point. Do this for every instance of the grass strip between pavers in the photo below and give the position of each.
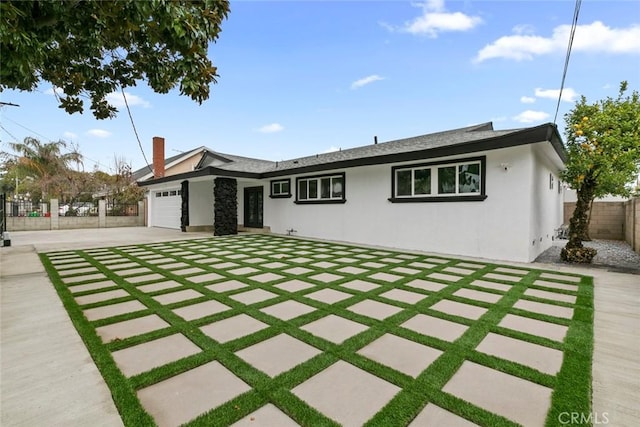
(571, 386)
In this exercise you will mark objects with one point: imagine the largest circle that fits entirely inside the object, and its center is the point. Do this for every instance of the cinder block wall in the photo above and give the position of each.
(632, 223)
(607, 219)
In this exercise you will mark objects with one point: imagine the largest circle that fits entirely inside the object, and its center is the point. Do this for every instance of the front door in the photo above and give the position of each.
(253, 198)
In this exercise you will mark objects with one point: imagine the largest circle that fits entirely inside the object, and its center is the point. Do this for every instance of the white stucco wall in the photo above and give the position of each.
(201, 202)
(497, 228)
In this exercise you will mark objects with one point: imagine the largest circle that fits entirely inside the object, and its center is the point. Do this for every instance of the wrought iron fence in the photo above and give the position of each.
(25, 208)
(118, 209)
(78, 209)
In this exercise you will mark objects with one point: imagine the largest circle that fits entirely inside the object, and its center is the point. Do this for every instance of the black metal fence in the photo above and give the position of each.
(118, 209)
(78, 209)
(23, 207)
(3, 213)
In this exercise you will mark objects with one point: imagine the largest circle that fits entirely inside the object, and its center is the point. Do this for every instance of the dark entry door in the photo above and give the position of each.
(253, 201)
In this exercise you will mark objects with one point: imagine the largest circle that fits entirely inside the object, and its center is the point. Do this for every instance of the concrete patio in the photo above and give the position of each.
(48, 376)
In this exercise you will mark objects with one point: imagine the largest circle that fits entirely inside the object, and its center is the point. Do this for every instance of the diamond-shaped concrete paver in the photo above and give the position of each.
(229, 285)
(334, 328)
(159, 286)
(435, 327)
(404, 296)
(445, 277)
(294, 285)
(553, 296)
(253, 296)
(542, 308)
(267, 416)
(143, 357)
(202, 278)
(101, 296)
(274, 265)
(145, 278)
(243, 271)
(405, 270)
(113, 310)
(352, 270)
(201, 309)
(326, 277)
(427, 285)
(232, 328)
(374, 309)
(324, 264)
(477, 295)
(549, 330)
(459, 309)
(224, 265)
(372, 264)
(187, 271)
(183, 397)
(491, 285)
(458, 270)
(544, 359)
(433, 415)
(517, 399)
(92, 286)
(298, 270)
(278, 354)
(130, 328)
(400, 354)
(287, 310)
(385, 277)
(422, 265)
(360, 285)
(328, 296)
(177, 296)
(346, 394)
(266, 277)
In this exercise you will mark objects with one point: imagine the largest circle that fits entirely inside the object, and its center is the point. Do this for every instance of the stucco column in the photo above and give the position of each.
(54, 207)
(141, 213)
(102, 213)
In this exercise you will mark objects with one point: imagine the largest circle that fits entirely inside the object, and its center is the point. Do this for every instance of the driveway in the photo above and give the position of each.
(299, 295)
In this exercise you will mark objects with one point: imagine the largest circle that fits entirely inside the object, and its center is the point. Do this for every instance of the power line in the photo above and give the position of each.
(135, 131)
(574, 24)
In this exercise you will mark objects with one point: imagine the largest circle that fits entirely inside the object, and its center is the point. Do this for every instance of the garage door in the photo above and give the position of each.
(165, 208)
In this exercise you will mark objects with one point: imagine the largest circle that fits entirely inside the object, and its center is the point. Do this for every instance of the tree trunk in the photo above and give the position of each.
(574, 251)
(586, 237)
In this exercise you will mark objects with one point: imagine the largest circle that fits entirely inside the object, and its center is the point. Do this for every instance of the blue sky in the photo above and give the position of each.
(304, 77)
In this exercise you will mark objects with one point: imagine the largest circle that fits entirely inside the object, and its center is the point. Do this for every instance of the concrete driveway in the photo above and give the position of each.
(48, 377)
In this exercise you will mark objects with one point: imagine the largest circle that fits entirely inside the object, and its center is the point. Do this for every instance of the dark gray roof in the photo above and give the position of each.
(457, 141)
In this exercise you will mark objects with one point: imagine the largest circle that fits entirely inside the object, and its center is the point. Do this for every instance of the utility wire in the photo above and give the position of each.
(10, 134)
(574, 24)
(134, 127)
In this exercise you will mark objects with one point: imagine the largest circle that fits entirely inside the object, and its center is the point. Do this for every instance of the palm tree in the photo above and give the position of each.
(45, 162)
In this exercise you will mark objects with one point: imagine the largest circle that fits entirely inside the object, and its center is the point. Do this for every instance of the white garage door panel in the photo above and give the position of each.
(165, 210)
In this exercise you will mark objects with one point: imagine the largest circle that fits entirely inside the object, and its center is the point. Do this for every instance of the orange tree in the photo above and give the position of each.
(603, 157)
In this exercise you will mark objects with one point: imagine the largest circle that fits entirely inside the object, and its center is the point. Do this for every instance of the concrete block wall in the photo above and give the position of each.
(607, 219)
(55, 222)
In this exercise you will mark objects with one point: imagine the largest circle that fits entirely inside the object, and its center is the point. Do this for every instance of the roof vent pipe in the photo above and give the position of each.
(375, 139)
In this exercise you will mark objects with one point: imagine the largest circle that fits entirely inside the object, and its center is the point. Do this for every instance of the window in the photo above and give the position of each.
(440, 181)
(320, 189)
(280, 189)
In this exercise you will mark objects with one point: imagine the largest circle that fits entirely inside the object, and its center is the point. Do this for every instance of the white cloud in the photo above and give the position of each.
(331, 149)
(99, 133)
(271, 128)
(52, 91)
(593, 38)
(527, 100)
(117, 100)
(365, 81)
(70, 135)
(531, 116)
(436, 19)
(568, 94)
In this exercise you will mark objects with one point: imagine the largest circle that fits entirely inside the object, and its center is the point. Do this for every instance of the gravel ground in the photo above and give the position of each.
(615, 255)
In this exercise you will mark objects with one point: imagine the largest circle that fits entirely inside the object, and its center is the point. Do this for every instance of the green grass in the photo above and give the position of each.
(571, 386)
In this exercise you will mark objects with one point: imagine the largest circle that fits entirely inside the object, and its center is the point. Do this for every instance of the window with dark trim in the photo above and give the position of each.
(321, 189)
(446, 181)
(280, 188)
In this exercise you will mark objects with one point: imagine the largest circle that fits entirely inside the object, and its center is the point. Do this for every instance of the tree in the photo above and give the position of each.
(46, 163)
(92, 48)
(603, 157)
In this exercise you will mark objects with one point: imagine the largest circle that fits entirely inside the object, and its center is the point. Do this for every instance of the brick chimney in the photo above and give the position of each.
(158, 157)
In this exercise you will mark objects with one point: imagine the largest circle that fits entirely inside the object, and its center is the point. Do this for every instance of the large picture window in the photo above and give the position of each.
(321, 189)
(461, 180)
